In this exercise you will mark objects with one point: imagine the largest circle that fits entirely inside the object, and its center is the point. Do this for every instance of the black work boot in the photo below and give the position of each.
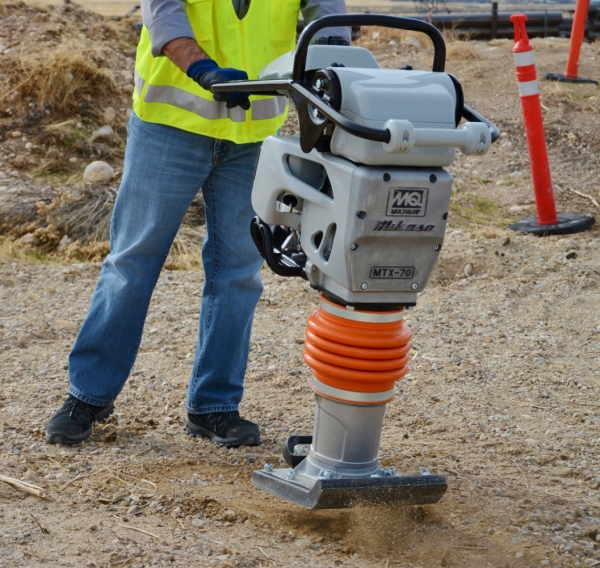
(73, 421)
(223, 428)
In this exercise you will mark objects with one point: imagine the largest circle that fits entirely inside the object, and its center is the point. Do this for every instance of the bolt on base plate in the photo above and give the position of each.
(563, 79)
(352, 492)
(567, 223)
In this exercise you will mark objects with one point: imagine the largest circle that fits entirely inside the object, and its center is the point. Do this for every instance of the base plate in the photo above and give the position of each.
(563, 79)
(356, 492)
(567, 223)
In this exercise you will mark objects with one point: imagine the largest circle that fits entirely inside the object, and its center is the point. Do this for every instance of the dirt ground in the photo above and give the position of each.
(501, 396)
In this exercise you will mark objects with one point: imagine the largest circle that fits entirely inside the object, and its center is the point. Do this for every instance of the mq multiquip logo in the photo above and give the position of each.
(407, 202)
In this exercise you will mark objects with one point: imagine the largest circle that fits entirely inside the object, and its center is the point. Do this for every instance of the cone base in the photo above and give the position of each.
(567, 223)
(563, 79)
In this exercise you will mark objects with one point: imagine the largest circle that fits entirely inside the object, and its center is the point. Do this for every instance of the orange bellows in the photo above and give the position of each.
(356, 356)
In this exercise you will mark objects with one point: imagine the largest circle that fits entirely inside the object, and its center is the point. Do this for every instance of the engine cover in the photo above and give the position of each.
(371, 97)
(370, 234)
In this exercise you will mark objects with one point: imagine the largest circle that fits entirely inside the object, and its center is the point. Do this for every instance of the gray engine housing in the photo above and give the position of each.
(375, 238)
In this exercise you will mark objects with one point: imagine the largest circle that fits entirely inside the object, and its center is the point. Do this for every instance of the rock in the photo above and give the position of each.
(30, 475)
(104, 135)
(571, 244)
(528, 270)
(64, 242)
(412, 41)
(19, 161)
(26, 239)
(98, 172)
(109, 115)
(230, 515)
(517, 208)
(133, 510)
(199, 523)
(557, 528)
(250, 458)
(468, 269)
(571, 254)
(16, 134)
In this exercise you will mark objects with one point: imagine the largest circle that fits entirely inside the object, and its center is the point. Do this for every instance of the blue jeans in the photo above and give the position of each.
(164, 168)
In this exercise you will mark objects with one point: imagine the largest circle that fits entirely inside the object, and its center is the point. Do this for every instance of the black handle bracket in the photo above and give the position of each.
(314, 113)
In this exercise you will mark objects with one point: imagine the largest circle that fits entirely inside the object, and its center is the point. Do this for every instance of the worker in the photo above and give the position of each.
(182, 138)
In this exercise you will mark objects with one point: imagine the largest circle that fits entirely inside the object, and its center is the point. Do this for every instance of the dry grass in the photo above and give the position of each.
(11, 251)
(186, 252)
(374, 37)
(463, 50)
(63, 80)
(84, 214)
(74, 226)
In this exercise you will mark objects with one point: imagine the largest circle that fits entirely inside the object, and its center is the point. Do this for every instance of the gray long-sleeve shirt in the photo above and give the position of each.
(167, 20)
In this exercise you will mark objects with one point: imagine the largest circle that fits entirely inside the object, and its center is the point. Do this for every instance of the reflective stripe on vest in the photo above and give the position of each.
(262, 109)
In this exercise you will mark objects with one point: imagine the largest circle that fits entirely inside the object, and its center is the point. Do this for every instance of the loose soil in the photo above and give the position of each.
(501, 397)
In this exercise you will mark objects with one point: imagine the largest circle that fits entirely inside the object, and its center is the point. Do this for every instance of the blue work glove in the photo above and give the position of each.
(206, 72)
(332, 40)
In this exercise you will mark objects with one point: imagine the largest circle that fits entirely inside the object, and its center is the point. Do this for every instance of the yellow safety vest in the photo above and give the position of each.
(165, 94)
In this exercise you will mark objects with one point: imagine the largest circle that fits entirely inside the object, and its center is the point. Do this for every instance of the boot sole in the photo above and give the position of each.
(200, 432)
(58, 438)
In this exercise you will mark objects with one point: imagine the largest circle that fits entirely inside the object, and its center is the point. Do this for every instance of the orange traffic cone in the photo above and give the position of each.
(577, 34)
(547, 222)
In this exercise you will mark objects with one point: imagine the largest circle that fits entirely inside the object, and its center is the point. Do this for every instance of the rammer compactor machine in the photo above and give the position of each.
(357, 205)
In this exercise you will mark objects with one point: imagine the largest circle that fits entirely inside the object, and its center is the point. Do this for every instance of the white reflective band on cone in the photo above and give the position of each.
(368, 317)
(524, 58)
(528, 88)
(351, 396)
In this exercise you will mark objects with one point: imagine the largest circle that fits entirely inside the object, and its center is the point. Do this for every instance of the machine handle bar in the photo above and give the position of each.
(300, 84)
(276, 86)
(337, 20)
(473, 116)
